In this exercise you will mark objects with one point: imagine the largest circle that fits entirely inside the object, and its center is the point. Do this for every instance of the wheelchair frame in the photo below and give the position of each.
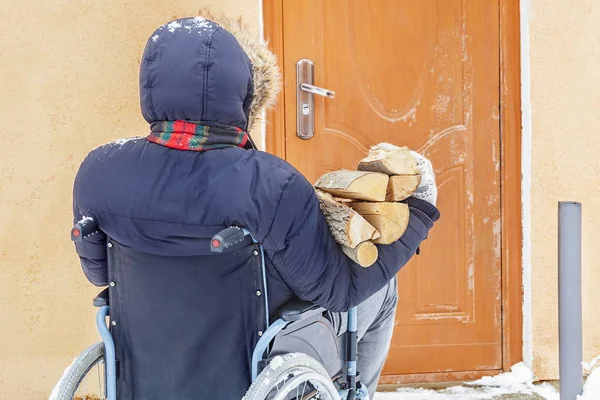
(221, 242)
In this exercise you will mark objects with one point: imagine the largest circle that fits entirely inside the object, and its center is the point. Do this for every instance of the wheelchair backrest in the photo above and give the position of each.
(184, 325)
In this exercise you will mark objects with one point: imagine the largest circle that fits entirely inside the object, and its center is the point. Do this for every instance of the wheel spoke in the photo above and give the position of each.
(88, 392)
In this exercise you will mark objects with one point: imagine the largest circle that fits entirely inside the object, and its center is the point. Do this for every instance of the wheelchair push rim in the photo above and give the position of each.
(294, 376)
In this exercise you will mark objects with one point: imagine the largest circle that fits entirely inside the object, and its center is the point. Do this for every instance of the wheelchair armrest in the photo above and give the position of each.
(297, 310)
(101, 299)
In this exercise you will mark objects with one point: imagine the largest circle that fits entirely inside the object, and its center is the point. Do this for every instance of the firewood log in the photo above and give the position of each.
(390, 219)
(357, 185)
(390, 160)
(401, 187)
(365, 254)
(346, 225)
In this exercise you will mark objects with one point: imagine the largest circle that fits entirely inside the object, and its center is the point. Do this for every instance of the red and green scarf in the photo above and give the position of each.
(196, 136)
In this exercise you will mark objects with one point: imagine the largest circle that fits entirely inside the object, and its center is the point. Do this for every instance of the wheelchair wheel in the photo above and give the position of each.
(293, 377)
(85, 379)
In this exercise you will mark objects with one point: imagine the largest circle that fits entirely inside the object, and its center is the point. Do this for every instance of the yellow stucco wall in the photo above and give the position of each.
(565, 104)
(68, 82)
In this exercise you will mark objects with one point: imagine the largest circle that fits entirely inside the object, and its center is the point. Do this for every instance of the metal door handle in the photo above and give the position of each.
(317, 90)
(305, 92)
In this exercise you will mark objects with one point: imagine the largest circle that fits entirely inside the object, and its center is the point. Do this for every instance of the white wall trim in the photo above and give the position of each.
(525, 17)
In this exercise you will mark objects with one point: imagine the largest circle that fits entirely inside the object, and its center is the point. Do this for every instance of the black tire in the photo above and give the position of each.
(66, 388)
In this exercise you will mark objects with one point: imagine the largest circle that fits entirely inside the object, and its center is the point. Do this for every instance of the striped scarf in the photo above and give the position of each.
(196, 136)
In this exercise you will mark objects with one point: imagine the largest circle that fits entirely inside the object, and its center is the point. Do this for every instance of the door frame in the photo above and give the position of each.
(510, 181)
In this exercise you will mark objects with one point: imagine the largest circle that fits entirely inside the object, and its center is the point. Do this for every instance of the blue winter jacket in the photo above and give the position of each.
(158, 200)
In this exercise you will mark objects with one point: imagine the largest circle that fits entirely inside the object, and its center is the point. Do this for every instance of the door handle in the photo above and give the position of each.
(317, 90)
(305, 92)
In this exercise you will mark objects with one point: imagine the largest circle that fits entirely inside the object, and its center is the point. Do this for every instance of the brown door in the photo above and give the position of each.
(423, 74)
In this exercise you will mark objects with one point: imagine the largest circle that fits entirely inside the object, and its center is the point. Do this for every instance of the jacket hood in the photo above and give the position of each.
(212, 69)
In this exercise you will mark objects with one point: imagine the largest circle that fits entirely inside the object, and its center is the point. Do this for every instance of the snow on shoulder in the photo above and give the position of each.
(119, 142)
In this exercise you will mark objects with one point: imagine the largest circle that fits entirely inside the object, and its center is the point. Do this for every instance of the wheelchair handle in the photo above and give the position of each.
(227, 239)
(83, 228)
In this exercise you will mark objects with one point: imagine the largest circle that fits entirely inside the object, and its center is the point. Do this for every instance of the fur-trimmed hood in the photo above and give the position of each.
(209, 69)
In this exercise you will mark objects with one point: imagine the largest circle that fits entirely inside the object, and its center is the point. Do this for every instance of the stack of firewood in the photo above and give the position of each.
(363, 208)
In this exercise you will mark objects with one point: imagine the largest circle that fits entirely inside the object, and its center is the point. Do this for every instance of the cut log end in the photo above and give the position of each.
(390, 160)
(400, 187)
(390, 219)
(365, 254)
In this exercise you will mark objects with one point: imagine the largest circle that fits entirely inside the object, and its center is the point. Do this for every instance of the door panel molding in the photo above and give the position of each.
(510, 164)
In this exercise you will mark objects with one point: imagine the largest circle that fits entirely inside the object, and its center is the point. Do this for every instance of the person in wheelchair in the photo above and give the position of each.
(185, 319)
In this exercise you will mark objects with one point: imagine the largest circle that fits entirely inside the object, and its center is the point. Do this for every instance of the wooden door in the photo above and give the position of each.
(423, 74)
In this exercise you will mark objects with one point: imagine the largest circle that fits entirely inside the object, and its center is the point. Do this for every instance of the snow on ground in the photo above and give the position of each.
(519, 381)
(591, 390)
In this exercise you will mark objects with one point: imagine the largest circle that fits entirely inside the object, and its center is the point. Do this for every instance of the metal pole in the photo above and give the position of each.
(569, 300)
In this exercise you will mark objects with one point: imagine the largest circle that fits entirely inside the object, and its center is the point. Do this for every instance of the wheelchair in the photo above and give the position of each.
(298, 357)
